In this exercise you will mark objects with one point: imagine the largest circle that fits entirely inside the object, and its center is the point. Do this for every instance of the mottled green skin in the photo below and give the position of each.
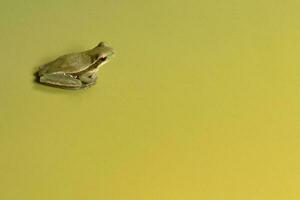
(77, 70)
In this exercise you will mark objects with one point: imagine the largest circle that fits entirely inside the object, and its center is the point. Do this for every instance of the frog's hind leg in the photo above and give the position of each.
(61, 80)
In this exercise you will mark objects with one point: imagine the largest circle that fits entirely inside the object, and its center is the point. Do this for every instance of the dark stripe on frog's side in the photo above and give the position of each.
(91, 67)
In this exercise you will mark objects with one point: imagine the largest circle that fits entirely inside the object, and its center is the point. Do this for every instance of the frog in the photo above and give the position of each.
(75, 70)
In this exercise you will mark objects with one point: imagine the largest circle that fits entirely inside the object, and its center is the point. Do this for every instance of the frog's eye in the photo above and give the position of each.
(103, 58)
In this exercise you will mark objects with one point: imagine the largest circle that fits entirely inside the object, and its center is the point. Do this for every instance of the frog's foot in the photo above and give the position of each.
(88, 80)
(61, 80)
(87, 85)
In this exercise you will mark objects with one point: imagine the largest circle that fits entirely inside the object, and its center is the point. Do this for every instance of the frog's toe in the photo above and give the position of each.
(87, 85)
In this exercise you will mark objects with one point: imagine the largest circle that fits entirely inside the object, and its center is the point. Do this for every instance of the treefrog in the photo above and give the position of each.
(76, 70)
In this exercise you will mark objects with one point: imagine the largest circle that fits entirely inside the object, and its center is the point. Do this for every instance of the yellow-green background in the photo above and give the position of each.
(201, 101)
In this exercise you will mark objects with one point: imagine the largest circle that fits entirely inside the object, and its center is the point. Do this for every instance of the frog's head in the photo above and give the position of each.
(103, 52)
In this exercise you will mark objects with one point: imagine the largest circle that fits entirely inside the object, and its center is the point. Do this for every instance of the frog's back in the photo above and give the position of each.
(71, 63)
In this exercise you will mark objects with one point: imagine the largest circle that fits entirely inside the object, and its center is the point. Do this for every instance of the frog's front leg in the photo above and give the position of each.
(88, 79)
(61, 80)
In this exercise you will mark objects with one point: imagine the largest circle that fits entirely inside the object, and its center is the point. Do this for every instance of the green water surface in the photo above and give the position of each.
(201, 101)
